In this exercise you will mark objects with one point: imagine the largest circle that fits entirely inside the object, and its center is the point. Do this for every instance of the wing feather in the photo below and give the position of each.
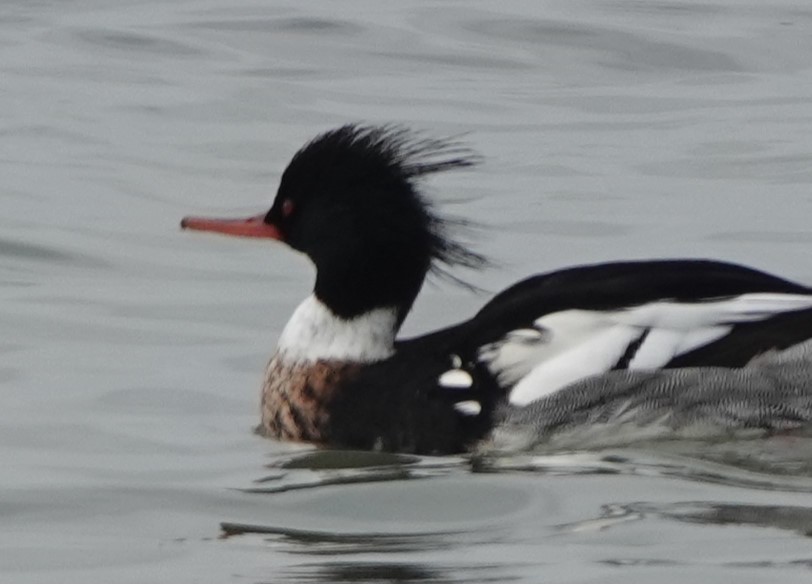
(573, 344)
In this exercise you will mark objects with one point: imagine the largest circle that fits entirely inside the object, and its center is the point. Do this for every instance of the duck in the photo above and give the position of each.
(560, 349)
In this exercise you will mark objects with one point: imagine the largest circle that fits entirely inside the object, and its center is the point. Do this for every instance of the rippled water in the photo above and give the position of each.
(131, 353)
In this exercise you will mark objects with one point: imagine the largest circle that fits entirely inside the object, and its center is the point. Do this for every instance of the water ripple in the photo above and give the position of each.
(612, 48)
(130, 42)
(301, 24)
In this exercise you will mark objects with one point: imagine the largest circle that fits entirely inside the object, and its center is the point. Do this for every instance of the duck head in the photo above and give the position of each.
(350, 200)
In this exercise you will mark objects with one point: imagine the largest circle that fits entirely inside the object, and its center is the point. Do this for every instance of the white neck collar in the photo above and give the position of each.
(315, 333)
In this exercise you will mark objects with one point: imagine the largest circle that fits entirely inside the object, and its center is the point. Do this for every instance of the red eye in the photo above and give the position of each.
(287, 208)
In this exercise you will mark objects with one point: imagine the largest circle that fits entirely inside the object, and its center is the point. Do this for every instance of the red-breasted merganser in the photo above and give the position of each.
(350, 201)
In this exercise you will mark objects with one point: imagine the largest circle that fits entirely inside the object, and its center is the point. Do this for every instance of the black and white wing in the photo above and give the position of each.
(550, 331)
(564, 347)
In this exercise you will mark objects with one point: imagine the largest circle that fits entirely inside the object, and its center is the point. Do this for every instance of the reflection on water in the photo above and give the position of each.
(345, 467)
(796, 519)
(328, 543)
(394, 552)
(350, 572)
(746, 464)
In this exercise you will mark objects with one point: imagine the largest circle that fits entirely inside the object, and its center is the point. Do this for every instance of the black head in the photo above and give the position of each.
(349, 199)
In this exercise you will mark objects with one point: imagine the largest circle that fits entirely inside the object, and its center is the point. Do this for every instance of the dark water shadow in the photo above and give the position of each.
(314, 542)
(396, 572)
(797, 519)
(36, 252)
(746, 464)
(323, 468)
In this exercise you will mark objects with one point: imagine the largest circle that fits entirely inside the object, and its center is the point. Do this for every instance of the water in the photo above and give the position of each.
(131, 353)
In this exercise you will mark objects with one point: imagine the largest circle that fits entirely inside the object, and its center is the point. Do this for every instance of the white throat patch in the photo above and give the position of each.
(314, 332)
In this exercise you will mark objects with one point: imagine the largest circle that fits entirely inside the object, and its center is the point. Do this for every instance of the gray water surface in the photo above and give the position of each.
(131, 353)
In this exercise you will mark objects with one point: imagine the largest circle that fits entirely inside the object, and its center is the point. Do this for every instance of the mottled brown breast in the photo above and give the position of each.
(296, 397)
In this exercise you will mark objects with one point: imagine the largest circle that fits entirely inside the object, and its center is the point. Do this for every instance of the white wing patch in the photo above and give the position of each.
(592, 356)
(514, 356)
(569, 345)
(456, 379)
(687, 316)
(468, 407)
